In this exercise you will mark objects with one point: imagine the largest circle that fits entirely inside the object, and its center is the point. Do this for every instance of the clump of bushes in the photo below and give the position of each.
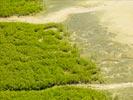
(19, 7)
(33, 58)
(56, 93)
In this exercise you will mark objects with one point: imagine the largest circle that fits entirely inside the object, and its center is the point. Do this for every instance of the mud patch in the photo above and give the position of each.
(118, 18)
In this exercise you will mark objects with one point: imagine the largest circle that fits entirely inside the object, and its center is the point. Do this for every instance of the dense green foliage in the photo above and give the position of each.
(56, 93)
(19, 7)
(34, 57)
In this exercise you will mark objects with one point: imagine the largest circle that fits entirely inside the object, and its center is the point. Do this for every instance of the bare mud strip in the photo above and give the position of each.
(119, 19)
(57, 17)
(105, 86)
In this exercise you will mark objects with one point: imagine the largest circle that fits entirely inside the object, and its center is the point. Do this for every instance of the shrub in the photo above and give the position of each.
(56, 93)
(33, 58)
(19, 7)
